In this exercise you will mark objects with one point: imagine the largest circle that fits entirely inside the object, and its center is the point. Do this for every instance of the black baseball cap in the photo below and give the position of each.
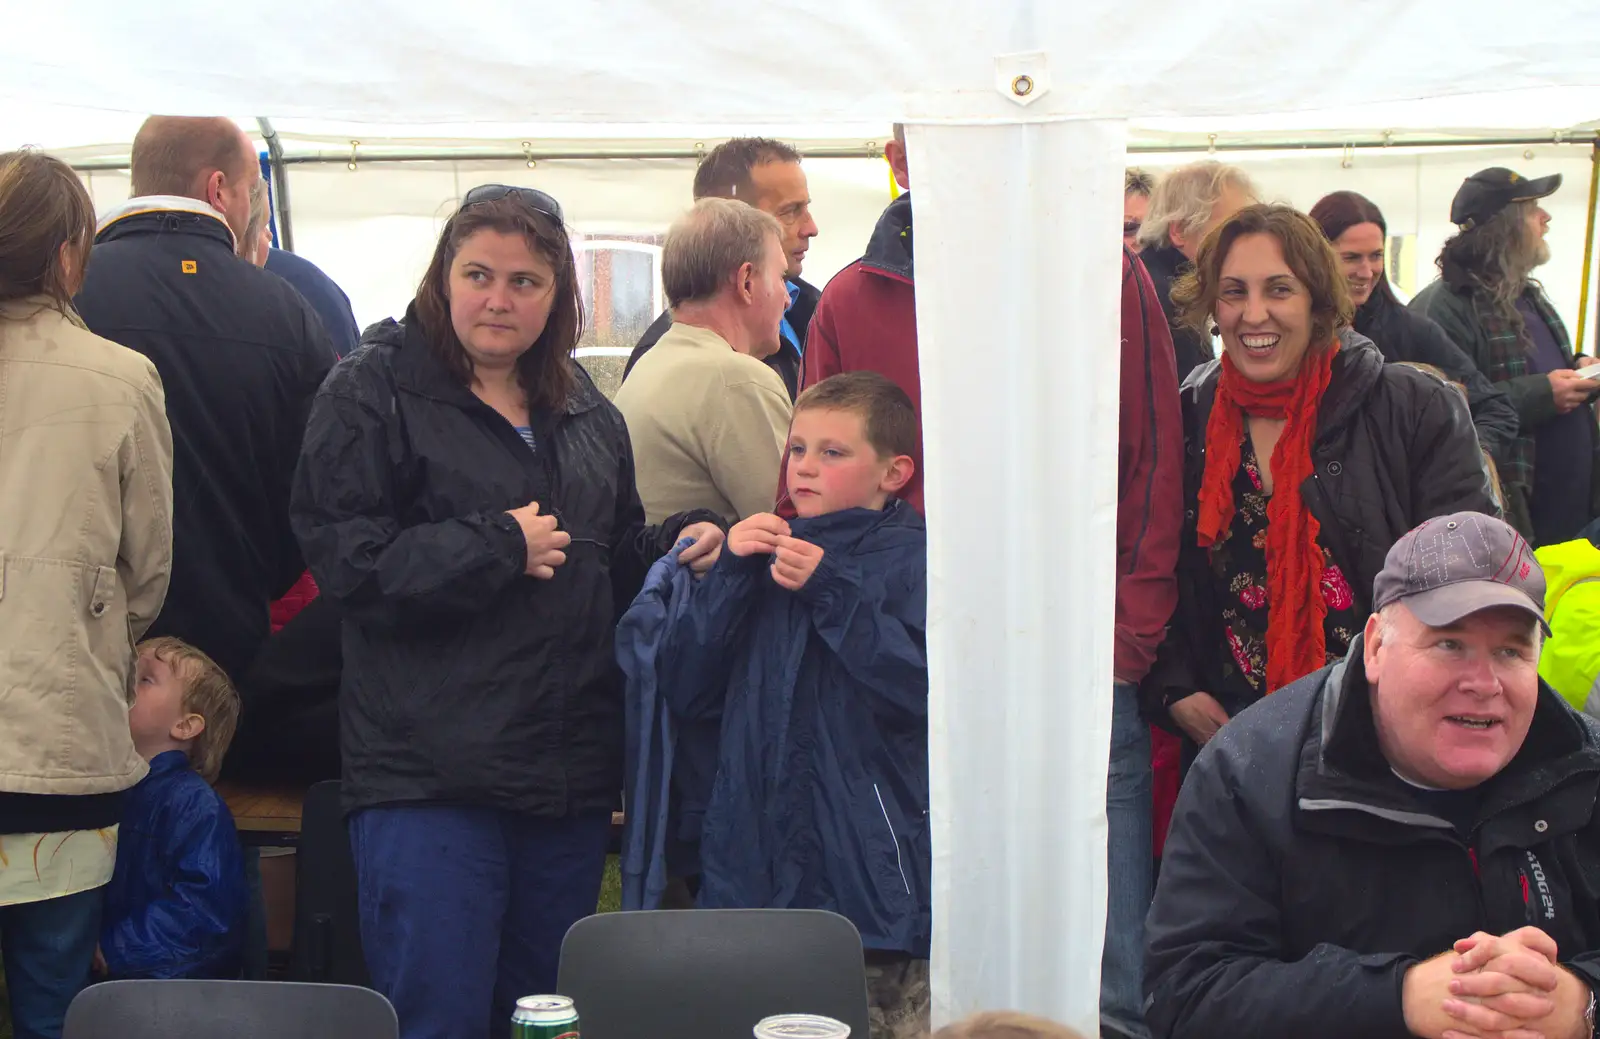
(1453, 566)
(1487, 192)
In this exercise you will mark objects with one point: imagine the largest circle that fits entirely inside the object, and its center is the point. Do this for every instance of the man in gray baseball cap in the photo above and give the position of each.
(1404, 843)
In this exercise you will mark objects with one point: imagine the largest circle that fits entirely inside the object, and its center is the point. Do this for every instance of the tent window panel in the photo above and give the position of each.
(619, 279)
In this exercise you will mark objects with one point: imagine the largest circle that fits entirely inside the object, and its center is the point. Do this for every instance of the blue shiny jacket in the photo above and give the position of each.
(821, 794)
(654, 777)
(177, 902)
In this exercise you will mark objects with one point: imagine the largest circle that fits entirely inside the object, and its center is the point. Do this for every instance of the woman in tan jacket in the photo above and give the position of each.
(85, 552)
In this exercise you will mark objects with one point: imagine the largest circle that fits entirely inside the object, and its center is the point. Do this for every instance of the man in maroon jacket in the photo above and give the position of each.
(867, 320)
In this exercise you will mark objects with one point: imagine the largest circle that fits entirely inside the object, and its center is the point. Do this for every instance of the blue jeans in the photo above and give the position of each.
(48, 947)
(463, 909)
(1128, 867)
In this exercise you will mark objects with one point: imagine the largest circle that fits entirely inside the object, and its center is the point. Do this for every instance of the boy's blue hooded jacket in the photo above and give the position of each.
(177, 901)
(821, 794)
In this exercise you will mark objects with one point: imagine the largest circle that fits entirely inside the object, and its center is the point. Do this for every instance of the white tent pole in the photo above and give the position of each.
(1016, 236)
(280, 181)
(484, 151)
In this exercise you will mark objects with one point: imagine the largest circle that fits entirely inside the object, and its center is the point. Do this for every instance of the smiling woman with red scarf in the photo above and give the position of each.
(1306, 458)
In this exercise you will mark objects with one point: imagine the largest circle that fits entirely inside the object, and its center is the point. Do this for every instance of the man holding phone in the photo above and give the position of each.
(1487, 302)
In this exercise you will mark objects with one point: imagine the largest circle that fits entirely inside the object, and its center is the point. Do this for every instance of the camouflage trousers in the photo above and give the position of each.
(898, 999)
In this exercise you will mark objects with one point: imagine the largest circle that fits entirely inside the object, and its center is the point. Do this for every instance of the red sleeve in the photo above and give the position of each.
(293, 601)
(1149, 476)
(822, 345)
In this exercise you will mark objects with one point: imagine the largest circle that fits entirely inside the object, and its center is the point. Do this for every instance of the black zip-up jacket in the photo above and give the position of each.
(1406, 336)
(786, 362)
(240, 354)
(465, 681)
(1190, 348)
(1394, 446)
(1302, 879)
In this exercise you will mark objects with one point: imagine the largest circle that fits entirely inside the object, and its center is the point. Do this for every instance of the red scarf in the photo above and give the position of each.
(1296, 642)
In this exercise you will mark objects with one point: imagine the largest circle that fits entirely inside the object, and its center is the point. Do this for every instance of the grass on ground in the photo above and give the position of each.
(611, 886)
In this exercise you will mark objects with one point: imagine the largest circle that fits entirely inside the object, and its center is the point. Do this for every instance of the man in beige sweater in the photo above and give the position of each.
(707, 419)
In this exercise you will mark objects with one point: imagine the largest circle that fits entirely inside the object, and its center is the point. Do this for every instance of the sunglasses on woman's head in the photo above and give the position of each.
(533, 198)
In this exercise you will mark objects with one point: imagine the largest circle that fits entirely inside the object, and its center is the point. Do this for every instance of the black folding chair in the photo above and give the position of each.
(687, 974)
(327, 929)
(229, 1010)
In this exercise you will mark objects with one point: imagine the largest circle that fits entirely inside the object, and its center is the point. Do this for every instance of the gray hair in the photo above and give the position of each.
(260, 216)
(710, 242)
(1136, 181)
(1186, 196)
(1498, 257)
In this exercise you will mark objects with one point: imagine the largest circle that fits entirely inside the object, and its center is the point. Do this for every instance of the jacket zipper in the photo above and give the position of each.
(900, 865)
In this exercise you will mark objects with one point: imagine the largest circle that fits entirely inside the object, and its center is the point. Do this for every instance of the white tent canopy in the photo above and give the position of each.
(1019, 118)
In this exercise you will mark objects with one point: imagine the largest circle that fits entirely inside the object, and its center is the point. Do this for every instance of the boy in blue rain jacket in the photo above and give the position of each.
(177, 903)
(806, 640)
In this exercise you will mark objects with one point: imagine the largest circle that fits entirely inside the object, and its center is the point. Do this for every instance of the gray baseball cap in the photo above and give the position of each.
(1456, 565)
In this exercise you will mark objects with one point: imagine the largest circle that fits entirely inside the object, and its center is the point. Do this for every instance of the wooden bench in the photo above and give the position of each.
(265, 816)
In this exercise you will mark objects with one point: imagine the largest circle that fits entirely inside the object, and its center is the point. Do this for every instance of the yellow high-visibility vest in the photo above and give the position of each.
(1571, 658)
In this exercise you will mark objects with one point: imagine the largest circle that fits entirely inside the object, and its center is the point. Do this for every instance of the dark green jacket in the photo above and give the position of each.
(1501, 349)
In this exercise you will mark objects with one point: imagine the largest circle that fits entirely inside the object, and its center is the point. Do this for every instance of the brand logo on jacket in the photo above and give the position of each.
(1541, 885)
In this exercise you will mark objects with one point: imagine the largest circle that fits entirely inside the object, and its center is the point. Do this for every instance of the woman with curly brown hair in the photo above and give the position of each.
(1307, 457)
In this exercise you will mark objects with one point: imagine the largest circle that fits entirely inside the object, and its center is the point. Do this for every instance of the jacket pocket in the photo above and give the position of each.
(106, 616)
(64, 664)
(102, 590)
(107, 635)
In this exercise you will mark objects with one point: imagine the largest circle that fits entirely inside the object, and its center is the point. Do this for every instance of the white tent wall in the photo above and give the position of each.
(373, 229)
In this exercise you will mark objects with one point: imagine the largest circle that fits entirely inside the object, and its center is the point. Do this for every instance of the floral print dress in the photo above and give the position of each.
(1239, 563)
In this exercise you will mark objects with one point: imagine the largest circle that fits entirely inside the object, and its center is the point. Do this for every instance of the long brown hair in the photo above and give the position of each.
(1342, 210)
(1306, 251)
(43, 206)
(545, 369)
(1496, 257)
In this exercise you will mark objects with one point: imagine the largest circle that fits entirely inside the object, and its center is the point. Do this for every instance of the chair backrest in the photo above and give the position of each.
(686, 974)
(229, 1010)
(327, 929)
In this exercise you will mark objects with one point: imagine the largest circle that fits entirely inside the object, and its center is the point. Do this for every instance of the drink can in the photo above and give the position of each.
(544, 1017)
(801, 1026)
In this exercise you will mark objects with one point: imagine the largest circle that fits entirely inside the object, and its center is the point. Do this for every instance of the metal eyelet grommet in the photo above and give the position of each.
(1540, 826)
(98, 609)
(1334, 468)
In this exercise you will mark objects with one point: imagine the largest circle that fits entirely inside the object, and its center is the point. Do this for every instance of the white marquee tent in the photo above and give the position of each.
(1020, 115)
